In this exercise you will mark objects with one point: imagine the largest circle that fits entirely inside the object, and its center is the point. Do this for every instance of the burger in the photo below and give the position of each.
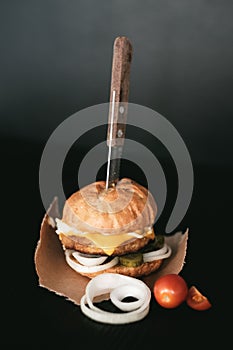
(111, 230)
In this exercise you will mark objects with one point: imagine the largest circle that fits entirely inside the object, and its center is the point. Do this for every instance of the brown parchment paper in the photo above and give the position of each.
(57, 276)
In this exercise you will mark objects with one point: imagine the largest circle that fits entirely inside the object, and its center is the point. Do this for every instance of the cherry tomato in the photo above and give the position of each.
(170, 290)
(196, 300)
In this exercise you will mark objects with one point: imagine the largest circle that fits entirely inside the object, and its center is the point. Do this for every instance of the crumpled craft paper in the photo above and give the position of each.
(57, 276)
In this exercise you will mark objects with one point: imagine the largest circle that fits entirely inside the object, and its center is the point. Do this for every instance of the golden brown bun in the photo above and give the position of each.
(124, 208)
(139, 271)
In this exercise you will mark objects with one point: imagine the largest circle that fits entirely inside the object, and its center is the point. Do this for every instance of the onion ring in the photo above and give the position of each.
(127, 290)
(88, 259)
(162, 253)
(87, 269)
(108, 282)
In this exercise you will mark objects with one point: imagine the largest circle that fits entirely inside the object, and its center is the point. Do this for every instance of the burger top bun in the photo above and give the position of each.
(125, 207)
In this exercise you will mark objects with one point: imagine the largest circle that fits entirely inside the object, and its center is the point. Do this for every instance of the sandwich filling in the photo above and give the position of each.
(155, 251)
(107, 242)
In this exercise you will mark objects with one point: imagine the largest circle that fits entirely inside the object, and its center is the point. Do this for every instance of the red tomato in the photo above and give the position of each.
(170, 290)
(196, 300)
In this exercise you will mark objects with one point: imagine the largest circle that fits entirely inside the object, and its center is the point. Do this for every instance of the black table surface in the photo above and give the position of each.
(35, 316)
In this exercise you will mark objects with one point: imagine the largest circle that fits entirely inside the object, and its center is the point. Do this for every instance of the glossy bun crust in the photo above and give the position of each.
(125, 207)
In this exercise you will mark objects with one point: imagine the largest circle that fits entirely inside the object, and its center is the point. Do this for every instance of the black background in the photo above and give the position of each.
(55, 60)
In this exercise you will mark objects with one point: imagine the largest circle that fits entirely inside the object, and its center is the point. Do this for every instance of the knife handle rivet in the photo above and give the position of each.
(121, 109)
(119, 133)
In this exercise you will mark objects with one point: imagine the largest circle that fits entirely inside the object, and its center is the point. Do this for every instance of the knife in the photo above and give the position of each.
(118, 107)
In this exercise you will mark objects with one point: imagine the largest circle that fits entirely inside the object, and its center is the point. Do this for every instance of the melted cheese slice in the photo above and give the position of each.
(106, 242)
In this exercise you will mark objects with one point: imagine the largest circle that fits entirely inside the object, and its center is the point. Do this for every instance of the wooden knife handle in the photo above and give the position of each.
(119, 92)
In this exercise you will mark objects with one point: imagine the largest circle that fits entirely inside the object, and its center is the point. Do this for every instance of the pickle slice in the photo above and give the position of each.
(157, 243)
(131, 260)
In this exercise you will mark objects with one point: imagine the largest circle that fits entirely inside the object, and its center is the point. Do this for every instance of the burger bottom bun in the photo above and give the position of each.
(139, 271)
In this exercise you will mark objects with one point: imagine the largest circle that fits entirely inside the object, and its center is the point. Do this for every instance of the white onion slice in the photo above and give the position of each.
(119, 293)
(107, 283)
(158, 251)
(88, 259)
(162, 253)
(87, 269)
